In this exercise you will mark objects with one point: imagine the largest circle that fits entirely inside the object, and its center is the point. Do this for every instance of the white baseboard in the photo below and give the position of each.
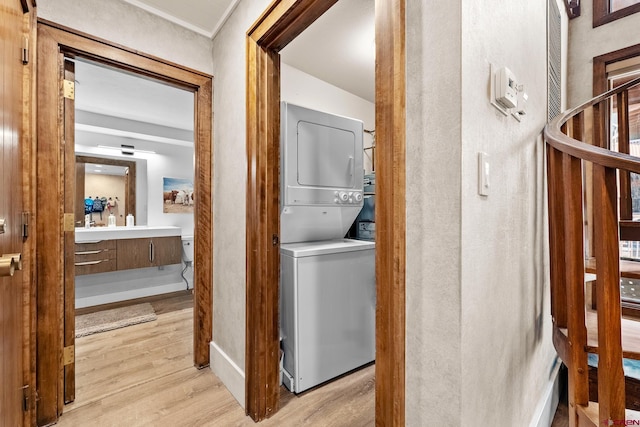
(229, 373)
(129, 294)
(546, 409)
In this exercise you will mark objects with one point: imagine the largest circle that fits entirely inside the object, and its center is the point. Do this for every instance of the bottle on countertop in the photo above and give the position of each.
(112, 220)
(130, 220)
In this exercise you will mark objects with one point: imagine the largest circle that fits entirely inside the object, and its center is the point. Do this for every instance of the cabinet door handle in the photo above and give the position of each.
(151, 254)
(91, 262)
(89, 252)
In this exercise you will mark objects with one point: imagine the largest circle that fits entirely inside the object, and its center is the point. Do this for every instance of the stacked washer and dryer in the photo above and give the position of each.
(327, 282)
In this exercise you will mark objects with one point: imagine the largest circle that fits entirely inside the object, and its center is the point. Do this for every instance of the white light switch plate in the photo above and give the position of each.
(483, 174)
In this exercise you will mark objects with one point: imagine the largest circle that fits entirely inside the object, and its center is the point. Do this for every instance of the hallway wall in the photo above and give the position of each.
(122, 23)
(479, 348)
(229, 192)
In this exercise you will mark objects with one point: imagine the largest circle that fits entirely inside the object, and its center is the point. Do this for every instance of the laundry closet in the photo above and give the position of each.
(327, 267)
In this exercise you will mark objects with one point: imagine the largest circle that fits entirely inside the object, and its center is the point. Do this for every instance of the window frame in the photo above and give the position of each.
(600, 85)
(602, 15)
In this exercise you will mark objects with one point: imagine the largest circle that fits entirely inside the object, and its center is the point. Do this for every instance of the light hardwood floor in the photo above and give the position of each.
(143, 375)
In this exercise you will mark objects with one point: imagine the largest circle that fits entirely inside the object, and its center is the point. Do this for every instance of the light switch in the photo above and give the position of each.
(483, 174)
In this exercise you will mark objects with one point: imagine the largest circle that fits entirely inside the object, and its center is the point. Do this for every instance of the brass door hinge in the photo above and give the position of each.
(69, 89)
(69, 355)
(69, 224)
(25, 50)
(25, 397)
(25, 225)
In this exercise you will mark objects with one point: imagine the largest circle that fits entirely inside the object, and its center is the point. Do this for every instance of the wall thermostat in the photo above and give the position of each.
(506, 87)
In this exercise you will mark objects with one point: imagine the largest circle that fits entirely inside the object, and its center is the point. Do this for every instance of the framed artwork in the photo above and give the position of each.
(177, 195)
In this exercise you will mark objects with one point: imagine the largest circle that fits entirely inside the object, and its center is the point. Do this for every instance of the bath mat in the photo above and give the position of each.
(107, 320)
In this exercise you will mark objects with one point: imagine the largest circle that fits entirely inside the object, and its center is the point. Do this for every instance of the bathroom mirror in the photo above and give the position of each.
(118, 185)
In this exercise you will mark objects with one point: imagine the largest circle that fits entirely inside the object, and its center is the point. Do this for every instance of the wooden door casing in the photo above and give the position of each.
(54, 42)
(280, 23)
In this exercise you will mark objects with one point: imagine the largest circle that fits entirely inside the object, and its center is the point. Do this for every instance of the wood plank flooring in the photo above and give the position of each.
(143, 375)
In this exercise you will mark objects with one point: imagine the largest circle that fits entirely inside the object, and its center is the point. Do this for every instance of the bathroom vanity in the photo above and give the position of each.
(100, 250)
(119, 263)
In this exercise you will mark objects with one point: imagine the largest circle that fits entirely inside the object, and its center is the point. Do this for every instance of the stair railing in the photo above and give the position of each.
(579, 163)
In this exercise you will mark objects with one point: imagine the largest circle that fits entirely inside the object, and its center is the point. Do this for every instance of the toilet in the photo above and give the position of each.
(187, 249)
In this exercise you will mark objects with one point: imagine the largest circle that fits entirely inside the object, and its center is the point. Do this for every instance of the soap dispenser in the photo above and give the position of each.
(130, 221)
(112, 220)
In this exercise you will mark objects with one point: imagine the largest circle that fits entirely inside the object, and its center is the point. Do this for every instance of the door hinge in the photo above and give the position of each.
(69, 89)
(25, 50)
(69, 355)
(25, 225)
(69, 224)
(25, 398)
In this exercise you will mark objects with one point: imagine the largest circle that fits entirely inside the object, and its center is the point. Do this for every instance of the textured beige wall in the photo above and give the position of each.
(507, 351)
(230, 169)
(585, 42)
(479, 350)
(434, 116)
(122, 23)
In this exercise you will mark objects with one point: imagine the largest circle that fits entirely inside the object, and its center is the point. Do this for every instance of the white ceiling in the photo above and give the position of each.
(202, 16)
(338, 48)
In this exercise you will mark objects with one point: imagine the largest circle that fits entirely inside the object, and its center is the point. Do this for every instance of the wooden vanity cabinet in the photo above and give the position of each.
(95, 257)
(126, 254)
(148, 252)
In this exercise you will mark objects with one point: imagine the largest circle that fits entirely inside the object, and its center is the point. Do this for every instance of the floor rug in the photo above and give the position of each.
(107, 320)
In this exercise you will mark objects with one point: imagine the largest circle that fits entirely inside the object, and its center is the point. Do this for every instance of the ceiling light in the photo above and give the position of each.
(127, 149)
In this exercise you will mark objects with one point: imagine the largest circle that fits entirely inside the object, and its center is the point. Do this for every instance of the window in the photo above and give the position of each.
(629, 182)
(605, 11)
(609, 71)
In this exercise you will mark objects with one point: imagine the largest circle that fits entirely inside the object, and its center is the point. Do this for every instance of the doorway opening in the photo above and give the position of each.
(278, 26)
(327, 182)
(56, 229)
(133, 143)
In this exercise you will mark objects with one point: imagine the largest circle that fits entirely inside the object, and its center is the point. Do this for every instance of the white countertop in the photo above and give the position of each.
(113, 233)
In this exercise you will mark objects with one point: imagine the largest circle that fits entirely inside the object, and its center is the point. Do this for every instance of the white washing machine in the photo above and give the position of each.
(327, 309)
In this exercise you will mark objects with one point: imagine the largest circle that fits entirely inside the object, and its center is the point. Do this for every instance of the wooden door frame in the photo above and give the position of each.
(281, 22)
(54, 42)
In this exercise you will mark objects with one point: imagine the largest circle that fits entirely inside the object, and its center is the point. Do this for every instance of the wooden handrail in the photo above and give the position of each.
(580, 165)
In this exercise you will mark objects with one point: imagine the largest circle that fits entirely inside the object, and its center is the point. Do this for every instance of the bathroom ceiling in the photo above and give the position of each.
(111, 92)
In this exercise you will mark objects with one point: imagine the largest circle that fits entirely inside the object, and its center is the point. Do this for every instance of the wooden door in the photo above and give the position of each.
(11, 206)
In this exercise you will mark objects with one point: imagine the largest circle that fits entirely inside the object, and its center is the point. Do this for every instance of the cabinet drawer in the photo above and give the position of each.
(95, 266)
(95, 257)
(97, 245)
